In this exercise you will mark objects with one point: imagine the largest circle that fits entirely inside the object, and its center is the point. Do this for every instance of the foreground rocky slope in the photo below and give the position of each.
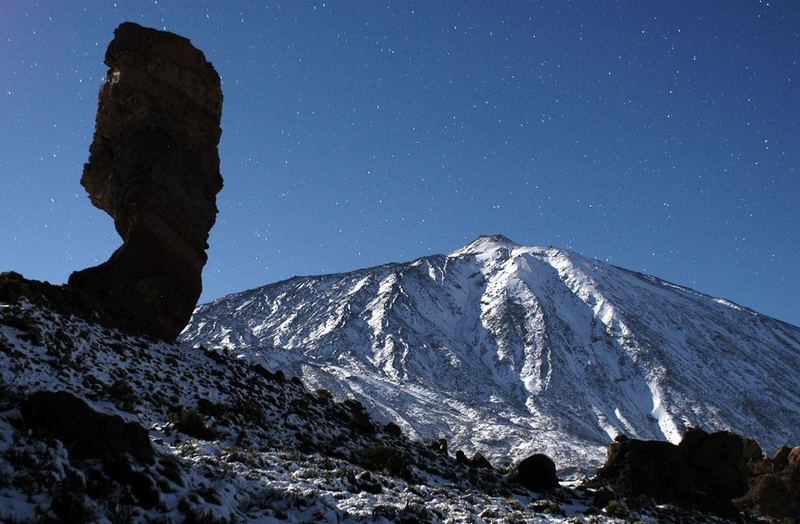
(98, 426)
(510, 350)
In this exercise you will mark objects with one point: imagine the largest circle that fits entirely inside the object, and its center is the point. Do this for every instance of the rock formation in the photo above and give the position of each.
(774, 488)
(719, 472)
(154, 168)
(705, 471)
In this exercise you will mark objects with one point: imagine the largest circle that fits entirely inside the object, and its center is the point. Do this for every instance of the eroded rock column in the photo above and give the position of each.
(154, 167)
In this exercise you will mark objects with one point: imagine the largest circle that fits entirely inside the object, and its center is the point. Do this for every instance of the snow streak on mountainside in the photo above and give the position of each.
(511, 350)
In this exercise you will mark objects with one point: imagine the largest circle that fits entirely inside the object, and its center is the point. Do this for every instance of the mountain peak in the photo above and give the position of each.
(485, 243)
(510, 350)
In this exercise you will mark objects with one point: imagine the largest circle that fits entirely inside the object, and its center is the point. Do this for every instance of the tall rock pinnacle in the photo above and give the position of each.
(154, 168)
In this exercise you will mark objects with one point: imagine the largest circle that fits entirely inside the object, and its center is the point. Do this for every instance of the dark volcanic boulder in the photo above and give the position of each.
(393, 430)
(644, 467)
(84, 431)
(705, 471)
(537, 472)
(154, 168)
(720, 473)
(720, 461)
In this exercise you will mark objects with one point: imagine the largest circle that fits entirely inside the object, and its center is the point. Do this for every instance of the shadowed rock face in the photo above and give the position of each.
(705, 471)
(717, 472)
(154, 168)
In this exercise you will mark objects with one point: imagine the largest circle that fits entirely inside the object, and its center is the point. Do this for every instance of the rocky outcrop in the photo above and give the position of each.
(154, 168)
(15, 289)
(719, 472)
(85, 432)
(705, 471)
(774, 489)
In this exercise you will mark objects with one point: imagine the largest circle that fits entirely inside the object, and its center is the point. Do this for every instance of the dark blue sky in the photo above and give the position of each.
(660, 136)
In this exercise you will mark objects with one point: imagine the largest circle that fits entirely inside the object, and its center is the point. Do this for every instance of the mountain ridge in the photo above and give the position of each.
(720, 299)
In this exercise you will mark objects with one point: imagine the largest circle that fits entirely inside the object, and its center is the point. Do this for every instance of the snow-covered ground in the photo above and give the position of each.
(511, 350)
(276, 452)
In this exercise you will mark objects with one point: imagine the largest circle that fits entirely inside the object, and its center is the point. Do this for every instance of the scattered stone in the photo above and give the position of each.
(478, 461)
(781, 457)
(393, 430)
(602, 497)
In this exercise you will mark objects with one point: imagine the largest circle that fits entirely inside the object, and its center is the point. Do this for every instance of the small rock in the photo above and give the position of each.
(393, 430)
(439, 445)
(794, 457)
(781, 458)
(479, 461)
(602, 497)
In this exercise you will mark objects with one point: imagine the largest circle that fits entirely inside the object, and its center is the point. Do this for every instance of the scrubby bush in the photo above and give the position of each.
(122, 392)
(359, 418)
(387, 460)
(69, 502)
(324, 395)
(190, 422)
(393, 430)
(617, 509)
(194, 515)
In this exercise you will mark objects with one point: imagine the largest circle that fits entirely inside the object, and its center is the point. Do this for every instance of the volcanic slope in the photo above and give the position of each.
(510, 350)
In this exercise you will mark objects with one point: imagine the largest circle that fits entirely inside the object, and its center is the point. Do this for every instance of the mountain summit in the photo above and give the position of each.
(510, 350)
(485, 243)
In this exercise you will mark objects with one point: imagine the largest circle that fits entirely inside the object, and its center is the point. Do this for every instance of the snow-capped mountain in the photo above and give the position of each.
(510, 350)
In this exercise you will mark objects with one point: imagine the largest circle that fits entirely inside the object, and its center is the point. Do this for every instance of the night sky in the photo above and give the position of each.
(663, 137)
